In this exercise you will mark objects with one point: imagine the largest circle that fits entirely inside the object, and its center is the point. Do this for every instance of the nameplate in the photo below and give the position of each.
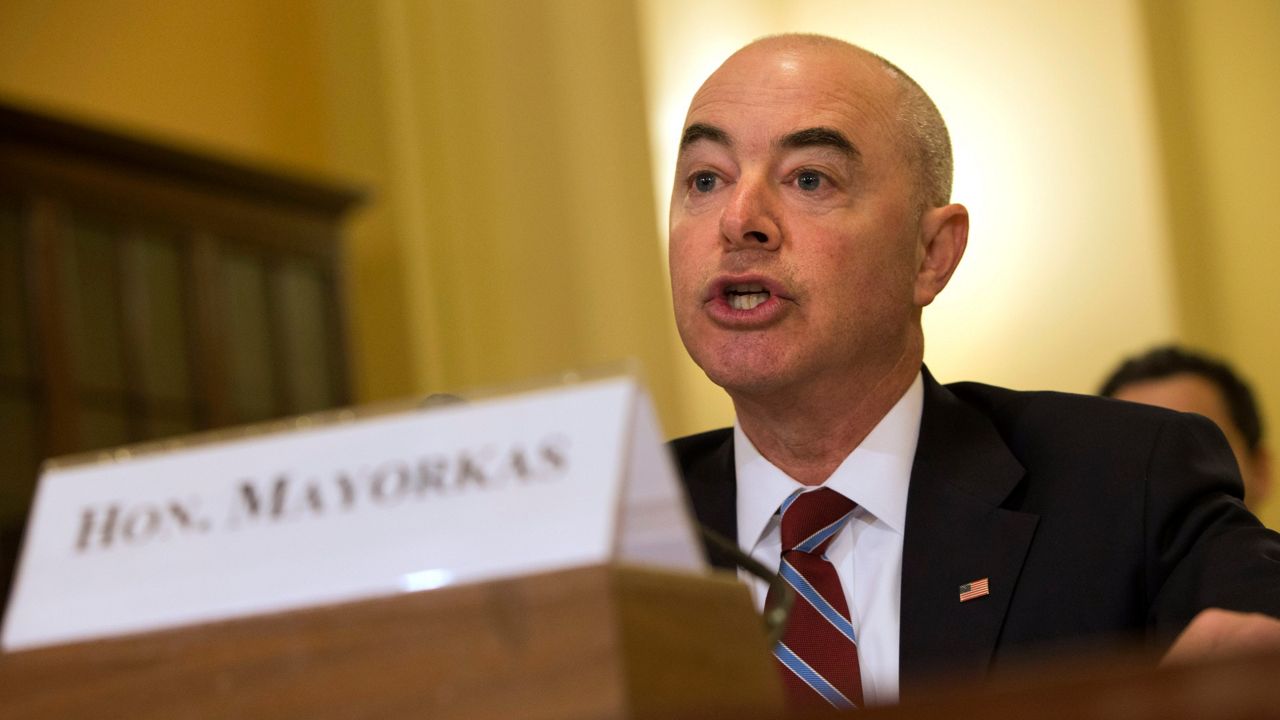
(410, 501)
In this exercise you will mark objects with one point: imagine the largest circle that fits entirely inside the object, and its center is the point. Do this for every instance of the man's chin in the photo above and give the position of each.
(748, 364)
(746, 380)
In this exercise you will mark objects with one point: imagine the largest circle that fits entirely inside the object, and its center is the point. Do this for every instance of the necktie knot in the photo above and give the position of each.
(811, 519)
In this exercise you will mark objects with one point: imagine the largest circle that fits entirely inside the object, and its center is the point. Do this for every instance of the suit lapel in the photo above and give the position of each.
(956, 533)
(707, 468)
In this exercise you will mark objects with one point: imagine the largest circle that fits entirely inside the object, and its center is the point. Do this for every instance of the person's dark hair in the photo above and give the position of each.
(1161, 362)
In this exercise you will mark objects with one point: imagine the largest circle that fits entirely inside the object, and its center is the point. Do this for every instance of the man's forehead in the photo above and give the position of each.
(799, 67)
(766, 96)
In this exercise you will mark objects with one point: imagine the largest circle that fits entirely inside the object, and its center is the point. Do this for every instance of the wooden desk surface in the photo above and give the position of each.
(591, 643)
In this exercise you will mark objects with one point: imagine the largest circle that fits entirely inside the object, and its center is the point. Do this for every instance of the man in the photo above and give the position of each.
(1178, 379)
(958, 528)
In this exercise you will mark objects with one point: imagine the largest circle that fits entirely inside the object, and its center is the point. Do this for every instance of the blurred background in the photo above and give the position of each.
(253, 208)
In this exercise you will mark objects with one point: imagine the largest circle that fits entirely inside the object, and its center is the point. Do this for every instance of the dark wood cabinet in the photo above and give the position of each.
(147, 292)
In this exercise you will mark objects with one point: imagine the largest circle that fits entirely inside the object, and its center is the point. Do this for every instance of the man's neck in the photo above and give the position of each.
(807, 433)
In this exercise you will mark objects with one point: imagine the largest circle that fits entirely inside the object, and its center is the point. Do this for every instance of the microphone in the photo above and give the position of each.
(776, 617)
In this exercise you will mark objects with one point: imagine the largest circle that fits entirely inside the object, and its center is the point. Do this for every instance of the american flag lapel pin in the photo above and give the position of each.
(973, 590)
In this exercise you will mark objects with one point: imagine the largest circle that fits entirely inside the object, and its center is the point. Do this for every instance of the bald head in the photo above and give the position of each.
(916, 123)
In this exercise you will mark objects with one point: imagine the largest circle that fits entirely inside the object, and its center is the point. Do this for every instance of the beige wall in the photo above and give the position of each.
(237, 77)
(1119, 160)
(516, 176)
(1217, 66)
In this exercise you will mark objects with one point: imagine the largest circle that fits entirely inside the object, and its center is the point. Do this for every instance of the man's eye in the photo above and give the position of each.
(704, 182)
(808, 180)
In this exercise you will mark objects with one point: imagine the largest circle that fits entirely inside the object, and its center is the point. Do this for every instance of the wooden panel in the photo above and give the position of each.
(18, 457)
(550, 646)
(117, 326)
(211, 175)
(58, 418)
(253, 363)
(339, 330)
(157, 336)
(15, 363)
(91, 287)
(209, 360)
(121, 194)
(19, 441)
(707, 660)
(305, 331)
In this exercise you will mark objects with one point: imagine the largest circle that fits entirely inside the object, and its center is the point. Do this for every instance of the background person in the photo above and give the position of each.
(1180, 379)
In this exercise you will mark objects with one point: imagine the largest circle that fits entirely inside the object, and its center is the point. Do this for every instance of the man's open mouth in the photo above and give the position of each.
(745, 296)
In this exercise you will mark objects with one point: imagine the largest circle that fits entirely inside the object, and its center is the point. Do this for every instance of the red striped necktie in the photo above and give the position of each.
(818, 654)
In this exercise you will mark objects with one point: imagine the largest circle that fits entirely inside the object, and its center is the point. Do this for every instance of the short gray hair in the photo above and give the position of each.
(927, 137)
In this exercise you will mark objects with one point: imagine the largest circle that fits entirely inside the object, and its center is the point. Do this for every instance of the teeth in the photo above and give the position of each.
(745, 296)
(747, 301)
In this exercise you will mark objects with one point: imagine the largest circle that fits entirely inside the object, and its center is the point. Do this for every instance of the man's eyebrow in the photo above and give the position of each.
(702, 131)
(821, 137)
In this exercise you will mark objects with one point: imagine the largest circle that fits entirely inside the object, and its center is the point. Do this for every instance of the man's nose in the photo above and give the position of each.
(749, 219)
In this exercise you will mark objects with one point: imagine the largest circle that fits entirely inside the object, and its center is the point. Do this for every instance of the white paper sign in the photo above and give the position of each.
(546, 480)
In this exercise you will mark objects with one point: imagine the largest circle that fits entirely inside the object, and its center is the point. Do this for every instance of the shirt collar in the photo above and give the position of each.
(875, 475)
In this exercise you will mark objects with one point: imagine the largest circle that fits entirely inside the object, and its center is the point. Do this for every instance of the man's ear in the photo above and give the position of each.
(944, 233)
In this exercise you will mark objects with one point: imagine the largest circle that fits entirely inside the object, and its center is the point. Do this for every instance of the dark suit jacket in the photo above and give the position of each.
(1097, 522)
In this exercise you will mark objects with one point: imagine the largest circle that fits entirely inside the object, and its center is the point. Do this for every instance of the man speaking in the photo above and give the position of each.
(926, 529)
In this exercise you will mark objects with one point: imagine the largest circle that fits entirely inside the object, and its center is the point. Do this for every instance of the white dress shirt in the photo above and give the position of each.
(867, 554)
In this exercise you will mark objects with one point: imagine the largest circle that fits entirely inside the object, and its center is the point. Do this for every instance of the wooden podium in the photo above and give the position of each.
(596, 642)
